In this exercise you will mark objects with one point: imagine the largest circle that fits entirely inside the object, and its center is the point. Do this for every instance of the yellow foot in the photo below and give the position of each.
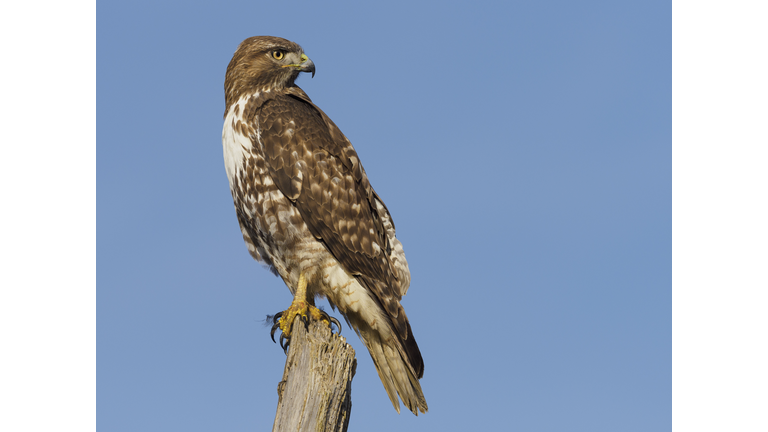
(304, 311)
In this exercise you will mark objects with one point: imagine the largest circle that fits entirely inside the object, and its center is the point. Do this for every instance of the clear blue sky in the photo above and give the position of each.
(523, 149)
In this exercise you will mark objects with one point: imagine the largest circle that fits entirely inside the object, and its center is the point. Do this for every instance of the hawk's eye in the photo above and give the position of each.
(277, 55)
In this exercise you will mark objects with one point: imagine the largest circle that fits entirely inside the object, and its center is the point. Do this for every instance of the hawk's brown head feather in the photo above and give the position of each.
(263, 63)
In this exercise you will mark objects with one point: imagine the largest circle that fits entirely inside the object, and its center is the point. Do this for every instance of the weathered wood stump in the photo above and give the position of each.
(315, 393)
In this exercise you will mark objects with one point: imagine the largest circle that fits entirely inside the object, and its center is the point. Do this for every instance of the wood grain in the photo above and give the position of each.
(315, 393)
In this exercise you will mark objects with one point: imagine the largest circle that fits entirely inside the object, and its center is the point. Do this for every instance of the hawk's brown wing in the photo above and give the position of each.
(316, 167)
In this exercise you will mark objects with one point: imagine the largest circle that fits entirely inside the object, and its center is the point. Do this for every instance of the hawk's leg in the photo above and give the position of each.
(301, 308)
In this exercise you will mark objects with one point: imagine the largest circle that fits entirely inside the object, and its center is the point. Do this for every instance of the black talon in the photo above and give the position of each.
(338, 325)
(325, 315)
(274, 329)
(331, 320)
(287, 342)
(275, 321)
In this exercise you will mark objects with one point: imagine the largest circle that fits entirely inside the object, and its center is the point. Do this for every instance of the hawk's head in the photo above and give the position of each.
(264, 63)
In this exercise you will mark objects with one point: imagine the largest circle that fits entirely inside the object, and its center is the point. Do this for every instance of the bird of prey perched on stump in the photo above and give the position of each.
(307, 211)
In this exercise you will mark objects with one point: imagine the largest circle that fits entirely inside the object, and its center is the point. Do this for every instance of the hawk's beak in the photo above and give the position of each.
(306, 65)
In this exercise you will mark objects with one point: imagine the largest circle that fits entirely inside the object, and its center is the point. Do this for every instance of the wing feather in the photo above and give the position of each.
(317, 168)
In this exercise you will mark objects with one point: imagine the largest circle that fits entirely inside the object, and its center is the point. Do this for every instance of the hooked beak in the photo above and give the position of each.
(306, 65)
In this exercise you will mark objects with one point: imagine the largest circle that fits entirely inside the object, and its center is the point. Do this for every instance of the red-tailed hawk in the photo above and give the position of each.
(307, 210)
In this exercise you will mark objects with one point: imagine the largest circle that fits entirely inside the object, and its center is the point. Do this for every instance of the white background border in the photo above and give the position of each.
(720, 215)
(48, 216)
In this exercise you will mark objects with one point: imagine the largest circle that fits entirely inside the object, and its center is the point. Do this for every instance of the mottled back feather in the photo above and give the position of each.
(317, 168)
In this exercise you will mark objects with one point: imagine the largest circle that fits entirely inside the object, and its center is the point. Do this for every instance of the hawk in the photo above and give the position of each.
(307, 210)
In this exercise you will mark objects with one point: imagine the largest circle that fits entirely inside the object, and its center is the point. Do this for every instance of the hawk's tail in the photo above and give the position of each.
(394, 358)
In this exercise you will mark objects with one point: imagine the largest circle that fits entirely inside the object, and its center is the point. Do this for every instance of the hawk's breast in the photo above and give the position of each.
(234, 139)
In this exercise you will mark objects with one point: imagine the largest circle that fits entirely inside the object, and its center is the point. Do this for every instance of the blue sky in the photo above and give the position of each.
(523, 149)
